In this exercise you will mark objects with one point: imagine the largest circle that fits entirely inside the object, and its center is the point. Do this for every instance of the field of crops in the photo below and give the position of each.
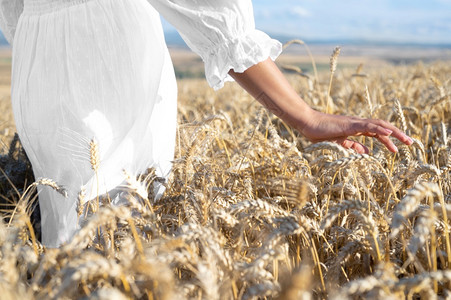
(254, 211)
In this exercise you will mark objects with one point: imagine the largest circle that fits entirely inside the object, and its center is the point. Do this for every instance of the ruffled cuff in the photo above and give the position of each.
(239, 55)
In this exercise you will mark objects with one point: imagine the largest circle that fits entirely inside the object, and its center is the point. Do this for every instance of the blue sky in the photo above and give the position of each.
(417, 21)
(402, 21)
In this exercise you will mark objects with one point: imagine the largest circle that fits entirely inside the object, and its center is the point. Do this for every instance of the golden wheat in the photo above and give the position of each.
(252, 210)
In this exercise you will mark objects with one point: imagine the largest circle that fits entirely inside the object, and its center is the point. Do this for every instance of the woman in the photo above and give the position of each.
(96, 76)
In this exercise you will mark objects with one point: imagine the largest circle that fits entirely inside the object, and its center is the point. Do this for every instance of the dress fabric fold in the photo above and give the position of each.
(99, 71)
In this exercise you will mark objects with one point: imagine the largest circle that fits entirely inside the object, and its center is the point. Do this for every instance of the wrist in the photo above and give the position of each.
(302, 116)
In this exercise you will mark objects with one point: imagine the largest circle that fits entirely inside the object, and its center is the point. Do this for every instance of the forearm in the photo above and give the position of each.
(266, 83)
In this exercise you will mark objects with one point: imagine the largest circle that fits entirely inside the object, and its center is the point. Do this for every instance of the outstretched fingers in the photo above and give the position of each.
(339, 128)
(372, 129)
(381, 130)
(396, 133)
(388, 143)
(348, 144)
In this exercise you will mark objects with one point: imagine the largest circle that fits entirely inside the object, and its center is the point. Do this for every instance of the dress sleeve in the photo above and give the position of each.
(222, 32)
(10, 11)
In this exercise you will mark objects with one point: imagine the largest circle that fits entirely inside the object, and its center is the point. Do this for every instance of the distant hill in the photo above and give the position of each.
(173, 39)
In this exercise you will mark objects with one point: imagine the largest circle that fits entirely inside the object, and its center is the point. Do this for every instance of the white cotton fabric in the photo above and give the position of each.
(222, 33)
(100, 70)
(10, 11)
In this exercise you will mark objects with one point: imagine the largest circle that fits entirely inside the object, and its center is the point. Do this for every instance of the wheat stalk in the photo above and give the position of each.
(333, 68)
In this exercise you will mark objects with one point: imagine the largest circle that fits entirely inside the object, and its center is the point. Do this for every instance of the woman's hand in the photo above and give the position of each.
(325, 127)
(267, 85)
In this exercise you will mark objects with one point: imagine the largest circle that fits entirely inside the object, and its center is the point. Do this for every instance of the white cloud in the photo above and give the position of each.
(410, 20)
(263, 12)
(300, 12)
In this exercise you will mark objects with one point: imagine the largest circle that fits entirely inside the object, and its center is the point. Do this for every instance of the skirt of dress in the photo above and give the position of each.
(91, 70)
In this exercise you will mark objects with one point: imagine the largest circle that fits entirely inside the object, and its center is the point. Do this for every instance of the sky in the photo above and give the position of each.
(392, 21)
(399, 21)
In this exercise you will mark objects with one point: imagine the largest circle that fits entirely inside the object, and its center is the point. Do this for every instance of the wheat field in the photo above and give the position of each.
(254, 211)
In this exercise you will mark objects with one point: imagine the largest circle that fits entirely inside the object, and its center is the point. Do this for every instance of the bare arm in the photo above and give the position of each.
(266, 83)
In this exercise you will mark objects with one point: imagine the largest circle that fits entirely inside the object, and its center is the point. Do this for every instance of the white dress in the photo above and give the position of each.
(100, 70)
